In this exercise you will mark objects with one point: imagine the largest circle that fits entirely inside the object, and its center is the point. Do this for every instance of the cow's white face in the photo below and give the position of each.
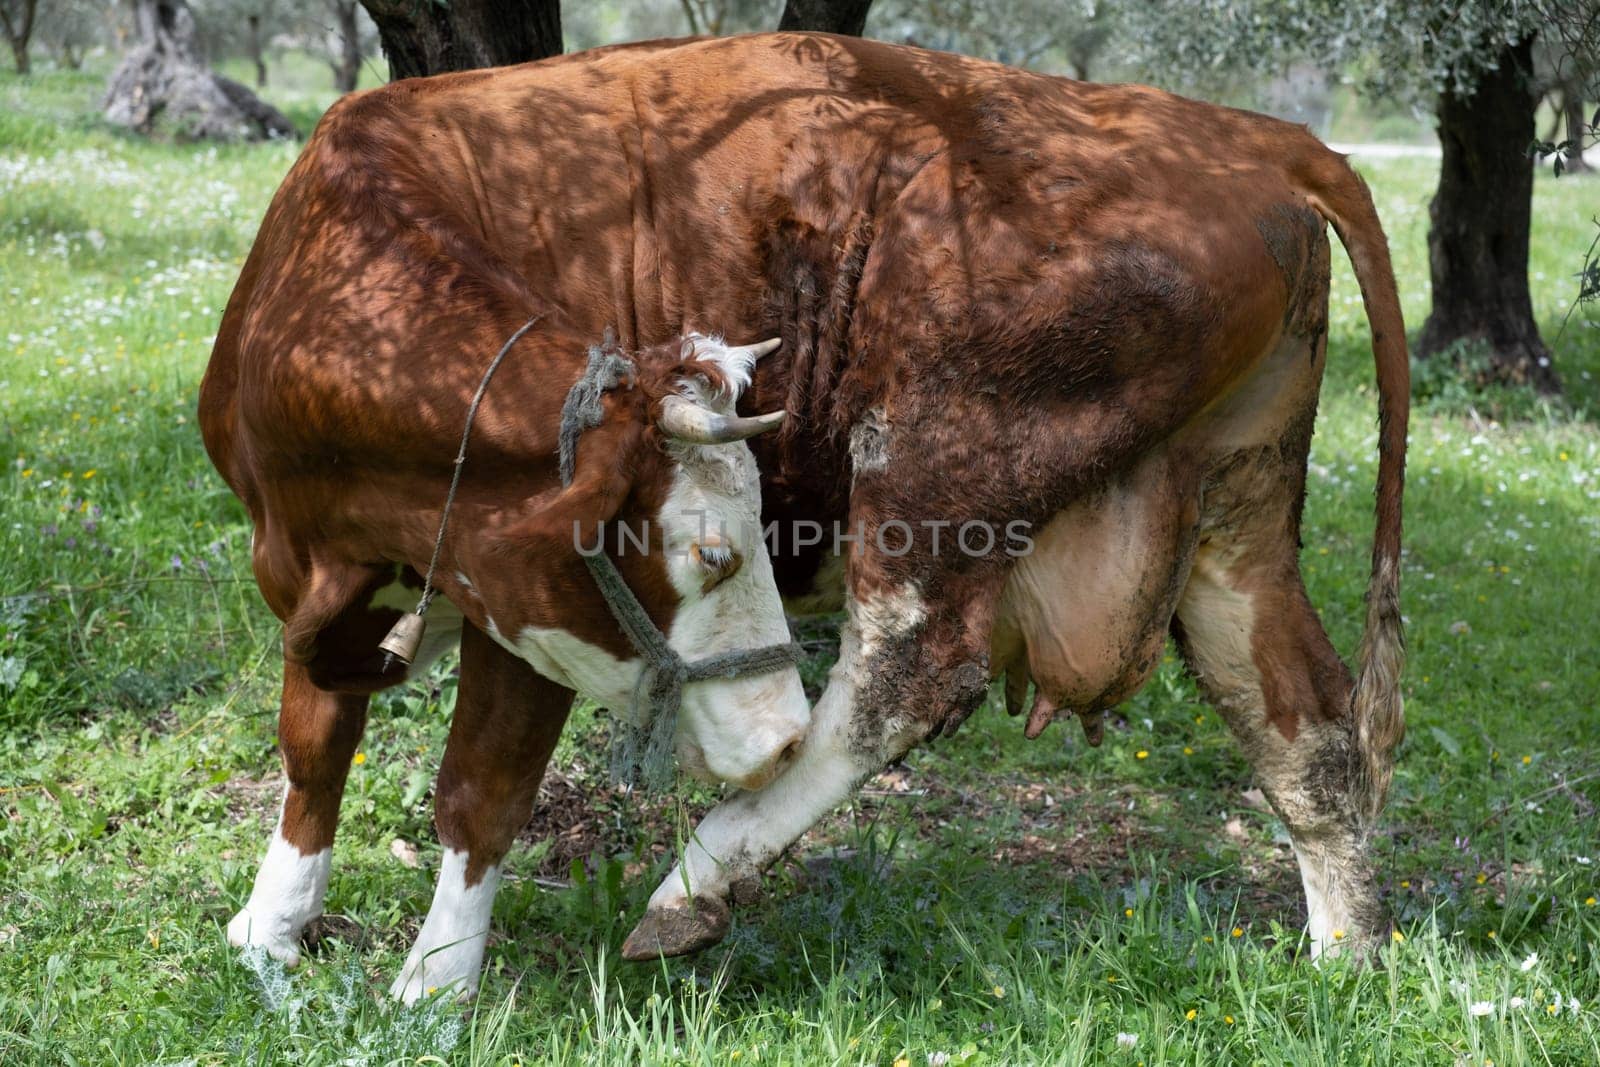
(740, 730)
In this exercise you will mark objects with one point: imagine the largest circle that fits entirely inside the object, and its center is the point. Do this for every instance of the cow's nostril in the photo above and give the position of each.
(790, 752)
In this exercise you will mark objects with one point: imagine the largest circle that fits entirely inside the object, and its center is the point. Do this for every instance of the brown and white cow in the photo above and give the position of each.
(1096, 311)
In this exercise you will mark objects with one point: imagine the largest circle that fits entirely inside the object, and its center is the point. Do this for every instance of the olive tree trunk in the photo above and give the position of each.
(258, 54)
(162, 80)
(1480, 217)
(828, 16)
(421, 37)
(17, 20)
(1577, 128)
(347, 63)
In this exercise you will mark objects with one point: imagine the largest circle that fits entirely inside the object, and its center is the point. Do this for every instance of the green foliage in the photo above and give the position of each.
(1406, 51)
(994, 901)
(1462, 381)
(1045, 34)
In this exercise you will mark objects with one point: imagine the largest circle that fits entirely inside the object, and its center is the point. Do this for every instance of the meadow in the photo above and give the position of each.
(991, 901)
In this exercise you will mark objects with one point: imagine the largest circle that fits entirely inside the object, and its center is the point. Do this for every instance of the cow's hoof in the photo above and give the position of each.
(679, 930)
(246, 931)
(413, 985)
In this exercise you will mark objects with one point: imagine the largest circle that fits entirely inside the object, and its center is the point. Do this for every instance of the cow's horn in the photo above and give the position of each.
(684, 420)
(757, 350)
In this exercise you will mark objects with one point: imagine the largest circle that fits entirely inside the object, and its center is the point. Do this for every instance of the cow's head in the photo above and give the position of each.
(669, 469)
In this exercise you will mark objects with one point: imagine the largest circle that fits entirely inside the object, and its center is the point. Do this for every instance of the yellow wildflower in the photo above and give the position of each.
(360, 758)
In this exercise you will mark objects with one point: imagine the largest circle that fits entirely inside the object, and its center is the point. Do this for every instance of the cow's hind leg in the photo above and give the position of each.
(1253, 640)
(506, 724)
(318, 732)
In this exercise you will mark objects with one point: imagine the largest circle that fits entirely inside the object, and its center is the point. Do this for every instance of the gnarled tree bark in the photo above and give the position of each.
(162, 79)
(828, 16)
(1481, 213)
(421, 37)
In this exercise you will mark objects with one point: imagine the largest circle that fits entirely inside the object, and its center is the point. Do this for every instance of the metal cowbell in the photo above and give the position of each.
(405, 637)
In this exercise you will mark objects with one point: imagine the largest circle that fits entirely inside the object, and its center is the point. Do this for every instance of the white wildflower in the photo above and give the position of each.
(1127, 1040)
(1531, 962)
(1517, 1002)
(1481, 1008)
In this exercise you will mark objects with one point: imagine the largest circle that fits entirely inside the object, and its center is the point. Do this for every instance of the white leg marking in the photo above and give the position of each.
(287, 895)
(449, 950)
(744, 832)
(1328, 917)
(740, 836)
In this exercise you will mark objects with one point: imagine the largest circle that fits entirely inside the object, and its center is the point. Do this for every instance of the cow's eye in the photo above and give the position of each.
(719, 562)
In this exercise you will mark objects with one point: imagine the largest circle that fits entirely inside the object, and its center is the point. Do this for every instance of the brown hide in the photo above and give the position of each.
(1016, 285)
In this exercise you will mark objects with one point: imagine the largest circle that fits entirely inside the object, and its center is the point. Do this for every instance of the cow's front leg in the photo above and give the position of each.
(506, 724)
(858, 726)
(318, 732)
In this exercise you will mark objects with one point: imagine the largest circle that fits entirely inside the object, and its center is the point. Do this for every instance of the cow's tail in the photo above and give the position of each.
(1341, 197)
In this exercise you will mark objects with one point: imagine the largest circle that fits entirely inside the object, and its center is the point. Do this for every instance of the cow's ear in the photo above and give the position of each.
(602, 478)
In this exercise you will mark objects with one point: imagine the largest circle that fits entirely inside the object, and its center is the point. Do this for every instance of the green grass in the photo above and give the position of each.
(993, 901)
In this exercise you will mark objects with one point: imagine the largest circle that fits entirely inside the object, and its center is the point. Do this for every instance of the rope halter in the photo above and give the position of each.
(642, 742)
